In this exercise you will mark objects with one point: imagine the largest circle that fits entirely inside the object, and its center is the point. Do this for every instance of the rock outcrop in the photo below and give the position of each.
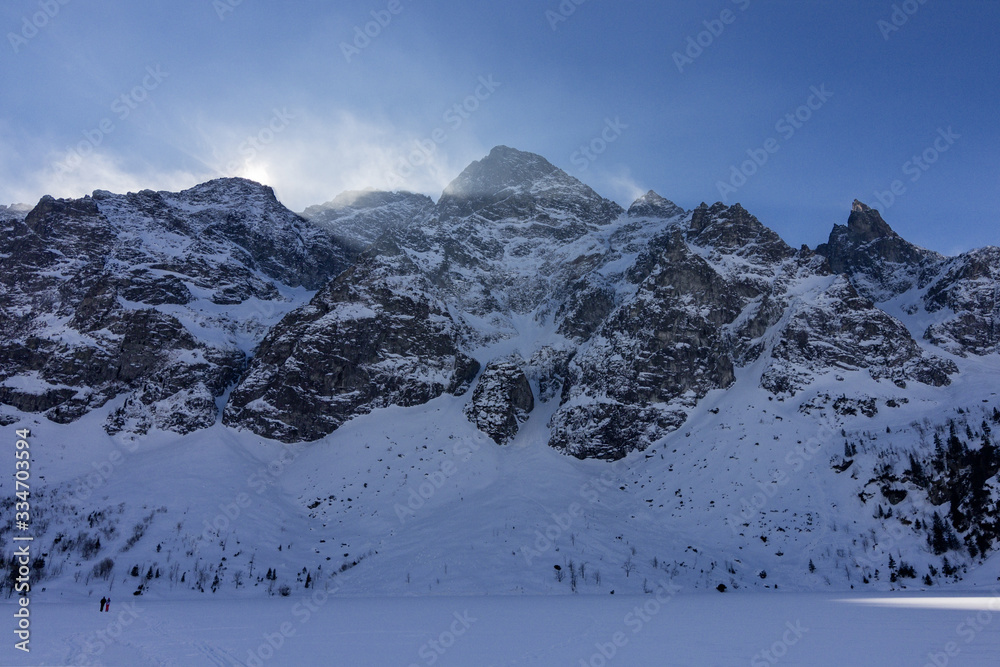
(502, 400)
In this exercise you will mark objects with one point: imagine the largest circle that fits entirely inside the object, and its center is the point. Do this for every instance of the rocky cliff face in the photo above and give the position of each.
(502, 400)
(959, 293)
(881, 263)
(839, 329)
(373, 337)
(507, 239)
(965, 297)
(716, 291)
(153, 296)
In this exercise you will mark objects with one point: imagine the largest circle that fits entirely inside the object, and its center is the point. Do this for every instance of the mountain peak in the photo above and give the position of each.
(880, 263)
(504, 168)
(866, 224)
(230, 187)
(510, 182)
(734, 229)
(652, 205)
(225, 191)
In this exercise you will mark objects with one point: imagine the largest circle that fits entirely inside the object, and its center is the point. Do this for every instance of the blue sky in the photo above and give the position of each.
(165, 94)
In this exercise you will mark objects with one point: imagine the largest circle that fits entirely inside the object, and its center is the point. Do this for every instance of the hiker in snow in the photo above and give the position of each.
(107, 606)
(104, 601)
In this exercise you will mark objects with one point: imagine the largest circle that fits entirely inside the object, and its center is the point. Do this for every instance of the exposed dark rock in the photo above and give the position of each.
(655, 355)
(969, 286)
(840, 329)
(585, 311)
(502, 400)
(629, 318)
(880, 263)
(113, 294)
(374, 337)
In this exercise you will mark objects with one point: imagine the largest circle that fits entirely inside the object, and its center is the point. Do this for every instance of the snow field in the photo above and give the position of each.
(596, 631)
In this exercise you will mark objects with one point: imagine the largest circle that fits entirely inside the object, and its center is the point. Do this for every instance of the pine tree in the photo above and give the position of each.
(938, 538)
(916, 471)
(939, 457)
(957, 450)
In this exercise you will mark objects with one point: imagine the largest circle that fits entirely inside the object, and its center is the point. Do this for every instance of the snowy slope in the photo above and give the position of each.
(409, 501)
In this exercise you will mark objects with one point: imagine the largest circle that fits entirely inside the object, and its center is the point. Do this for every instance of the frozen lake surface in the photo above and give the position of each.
(658, 629)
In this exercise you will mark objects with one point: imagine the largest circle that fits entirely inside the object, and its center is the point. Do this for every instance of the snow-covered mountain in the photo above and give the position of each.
(155, 295)
(442, 396)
